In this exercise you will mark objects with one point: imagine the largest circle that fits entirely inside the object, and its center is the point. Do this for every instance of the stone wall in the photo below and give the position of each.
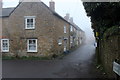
(59, 34)
(110, 51)
(48, 29)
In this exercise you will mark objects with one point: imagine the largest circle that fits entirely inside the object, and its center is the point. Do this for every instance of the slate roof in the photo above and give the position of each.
(6, 12)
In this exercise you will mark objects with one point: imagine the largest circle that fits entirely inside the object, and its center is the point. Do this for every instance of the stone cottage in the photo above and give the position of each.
(34, 29)
(77, 35)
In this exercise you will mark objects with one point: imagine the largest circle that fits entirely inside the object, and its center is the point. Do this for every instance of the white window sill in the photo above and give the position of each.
(30, 28)
(5, 51)
(31, 51)
(59, 43)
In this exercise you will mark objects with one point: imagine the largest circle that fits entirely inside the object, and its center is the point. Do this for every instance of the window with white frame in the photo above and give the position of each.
(71, 28)
(65, 30)
(29, 22)
(5, 45)
(32, 45)
(60, 41)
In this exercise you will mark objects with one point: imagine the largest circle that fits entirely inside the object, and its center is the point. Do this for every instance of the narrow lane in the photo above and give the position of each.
(78, 64)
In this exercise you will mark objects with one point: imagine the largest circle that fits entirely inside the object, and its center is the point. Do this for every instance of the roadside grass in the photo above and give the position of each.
(25, 58)
(53, 57)
(34, 58)
(7, 58)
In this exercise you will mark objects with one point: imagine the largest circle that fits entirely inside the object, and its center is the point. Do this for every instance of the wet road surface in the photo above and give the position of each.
(77, 64)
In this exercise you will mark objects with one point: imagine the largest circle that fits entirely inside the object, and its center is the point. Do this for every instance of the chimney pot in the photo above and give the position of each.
(67, 17)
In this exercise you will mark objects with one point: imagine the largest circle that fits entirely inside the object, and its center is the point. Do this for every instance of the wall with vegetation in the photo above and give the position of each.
(105, 18)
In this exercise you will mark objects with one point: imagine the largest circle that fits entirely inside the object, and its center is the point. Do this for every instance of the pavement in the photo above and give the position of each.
(77, 64)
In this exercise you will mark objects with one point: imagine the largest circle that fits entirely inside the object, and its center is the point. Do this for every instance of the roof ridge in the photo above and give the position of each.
(8, 7)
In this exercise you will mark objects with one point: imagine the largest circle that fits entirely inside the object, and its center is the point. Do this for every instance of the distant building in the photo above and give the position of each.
(77, 35)
(34, 29)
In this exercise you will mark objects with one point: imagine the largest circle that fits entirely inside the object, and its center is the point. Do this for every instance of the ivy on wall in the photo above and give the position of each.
(103, 15)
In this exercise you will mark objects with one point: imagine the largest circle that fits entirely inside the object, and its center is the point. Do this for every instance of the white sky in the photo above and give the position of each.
(73, 7)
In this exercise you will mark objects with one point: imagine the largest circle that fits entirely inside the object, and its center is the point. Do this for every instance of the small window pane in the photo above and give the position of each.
(28, 20)
(31, 20)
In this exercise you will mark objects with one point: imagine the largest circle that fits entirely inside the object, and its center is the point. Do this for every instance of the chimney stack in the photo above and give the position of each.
(1, 4)
(71, 20)
(67, 17)
(52, 5)
(20, 1)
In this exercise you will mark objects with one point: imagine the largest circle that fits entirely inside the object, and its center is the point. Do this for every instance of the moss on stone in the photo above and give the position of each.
(110, 32)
